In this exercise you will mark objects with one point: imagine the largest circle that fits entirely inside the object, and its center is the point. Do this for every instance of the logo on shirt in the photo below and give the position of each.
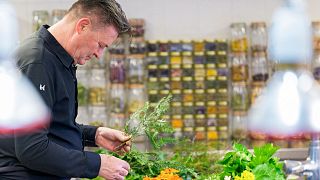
(42, 87)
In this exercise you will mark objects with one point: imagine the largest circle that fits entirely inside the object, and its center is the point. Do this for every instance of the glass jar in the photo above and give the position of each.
(188, 95)
(256, 90)
(239, 41)
(211, 120)
(40, 17)
(200, 134)
(136, 97)
(176, 121)
(97, 88)
(239, 67)
(83, 86)
(259, 36)
(188, 108)
(222, 45)
(211, 107)
(259, 66)
(199, 59)
(176, 108)
(57, 15)
(163, 46)
(222, 58)
(153, 83)
(116, 121)
(212, 133)
(137, 27)
(239, 125)
(223, 132)
(175, 46)
(117, 100)
(176, 83)
(199, 95)
(187, 83)
(316, 35)
(200, 83)
(118, 48)
(210, 45)
(117, 69)
(98, 115)
(198, 46)
(187, 58)
(152, 46)
(316, 64)
(153, 96)
(164, 58)
(188, 133)
(200, 109)
(187, 71)
(188, 120)
(175, 58)
(176, 95)
(211, 57)
(136, 69)
(137, 46)
(187, 46)
(240, 96)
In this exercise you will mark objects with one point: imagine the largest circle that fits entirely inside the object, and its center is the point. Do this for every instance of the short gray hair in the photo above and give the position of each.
(108, 12)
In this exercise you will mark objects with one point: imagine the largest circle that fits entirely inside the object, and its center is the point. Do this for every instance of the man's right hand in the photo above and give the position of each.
(113, 168)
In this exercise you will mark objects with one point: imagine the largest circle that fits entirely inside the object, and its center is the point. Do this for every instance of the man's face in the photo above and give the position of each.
(93, 42)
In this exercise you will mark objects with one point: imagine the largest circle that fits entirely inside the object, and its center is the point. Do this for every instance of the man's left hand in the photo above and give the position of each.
(111, 139)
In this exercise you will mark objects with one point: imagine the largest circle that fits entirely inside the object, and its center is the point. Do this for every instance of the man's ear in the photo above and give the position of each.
(83, 25)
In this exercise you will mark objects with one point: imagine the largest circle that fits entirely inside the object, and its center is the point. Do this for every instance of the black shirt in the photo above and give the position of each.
(54, 152)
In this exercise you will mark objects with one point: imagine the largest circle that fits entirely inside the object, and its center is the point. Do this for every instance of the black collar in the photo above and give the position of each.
(58, 50)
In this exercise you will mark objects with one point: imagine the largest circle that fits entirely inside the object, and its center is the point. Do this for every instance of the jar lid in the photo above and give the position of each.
(186, 53)
(176, 91)
(212, 128)
(209, 40)
(200, 116)
(136, 56)
(163, 41)
(188, 129)
(221, 53)
(258, 24)
(223, 128)
(238, 24)
(175, 41)
(152, 41)
(164, 53)
(152, 54)
(240, 113)
(211, 53)
(177, 129)
(175, 53)
(199, 53)
(212, 115)
(199, 128)
(188, 116)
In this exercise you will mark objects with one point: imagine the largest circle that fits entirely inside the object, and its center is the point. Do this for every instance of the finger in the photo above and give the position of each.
(126, 166)
(126, 148)
(123, 172)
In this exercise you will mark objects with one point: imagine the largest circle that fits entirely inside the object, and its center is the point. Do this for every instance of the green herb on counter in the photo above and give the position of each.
(261, 162)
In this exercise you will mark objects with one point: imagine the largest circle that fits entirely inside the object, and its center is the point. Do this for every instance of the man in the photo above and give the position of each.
(48, 59)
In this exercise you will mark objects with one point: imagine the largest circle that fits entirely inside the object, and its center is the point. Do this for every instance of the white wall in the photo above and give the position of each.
(176, 19)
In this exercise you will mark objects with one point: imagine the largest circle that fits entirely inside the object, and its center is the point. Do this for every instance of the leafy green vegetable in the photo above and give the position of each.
(261, 162)
(148, 120)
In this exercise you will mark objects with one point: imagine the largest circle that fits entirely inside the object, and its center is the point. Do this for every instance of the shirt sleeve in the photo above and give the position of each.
(88, 135)
(37, 152)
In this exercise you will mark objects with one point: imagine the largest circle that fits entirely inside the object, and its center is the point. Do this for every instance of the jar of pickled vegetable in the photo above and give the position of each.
(211, 120)
(240, 96)
(239, 124)
(316, 64)
(188, 95)
(239, 67)
(153, 83)
(221, 45)
(256, 90)
(176, 95)
(211, 57)
(200, 108)
(136, 97)
(210, 45)
(187, 58)
(40, 17)
(316, 35)
(118, 48)
(198, 46)
(176, 83)
(117, 69)
(97, 115)
(259, 36)
(188, 108)
(212, 133)
(200, 95)
(164, 46)
(187, 70)
(176, 108)
(164, 83)
(188, 120)
(175, 46)
(211, 107)
(239, 40)
(117, 98)
(175, 58)
(199, 59)
(136, 69)
(177, 133)
(200, 134)
(222, 59)
(137, 27)
(187, 46)
(152, 46)
(187, 83)
(137, 46)
(188, 132)
(223, 132)
(200, 83)
(83, 86)
(153, 96)
(176, 121)
(97, 88)
(259, 66)
(116, 121)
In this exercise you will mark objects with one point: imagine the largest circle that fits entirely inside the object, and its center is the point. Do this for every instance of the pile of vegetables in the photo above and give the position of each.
(190, 160)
